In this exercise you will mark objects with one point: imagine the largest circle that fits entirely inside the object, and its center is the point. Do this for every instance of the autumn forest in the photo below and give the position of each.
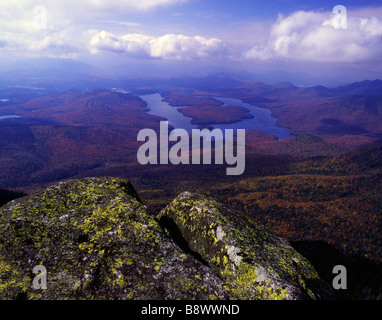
(321, 190)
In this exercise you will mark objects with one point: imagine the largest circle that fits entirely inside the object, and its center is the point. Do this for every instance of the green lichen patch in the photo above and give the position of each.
(254, 262)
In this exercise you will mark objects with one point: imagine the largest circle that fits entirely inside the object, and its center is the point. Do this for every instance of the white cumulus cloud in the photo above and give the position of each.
(169, 46)
(315, 36)
(58, 28)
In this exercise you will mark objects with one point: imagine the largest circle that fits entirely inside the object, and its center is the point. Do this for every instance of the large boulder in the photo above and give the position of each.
(252, 261)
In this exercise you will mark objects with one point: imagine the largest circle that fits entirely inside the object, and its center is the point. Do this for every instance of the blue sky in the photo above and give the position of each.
(195, 37)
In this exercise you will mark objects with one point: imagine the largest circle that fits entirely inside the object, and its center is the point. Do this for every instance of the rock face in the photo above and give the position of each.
(98, 241)
(252, 261)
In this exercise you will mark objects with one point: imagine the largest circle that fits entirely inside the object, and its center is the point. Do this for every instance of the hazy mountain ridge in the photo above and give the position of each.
(93, 124)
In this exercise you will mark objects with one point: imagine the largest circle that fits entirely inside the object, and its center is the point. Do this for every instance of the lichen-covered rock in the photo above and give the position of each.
(97, 241)
(252, 261)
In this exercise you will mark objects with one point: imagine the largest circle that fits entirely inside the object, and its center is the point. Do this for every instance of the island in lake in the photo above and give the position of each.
(216, 114)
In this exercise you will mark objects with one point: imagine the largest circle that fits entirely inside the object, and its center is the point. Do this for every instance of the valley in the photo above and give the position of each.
(321, 182)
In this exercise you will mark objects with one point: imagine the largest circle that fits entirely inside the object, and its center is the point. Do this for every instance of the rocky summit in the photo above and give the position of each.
(97, 240)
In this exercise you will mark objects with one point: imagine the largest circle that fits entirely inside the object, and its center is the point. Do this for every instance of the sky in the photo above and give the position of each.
(308, 41)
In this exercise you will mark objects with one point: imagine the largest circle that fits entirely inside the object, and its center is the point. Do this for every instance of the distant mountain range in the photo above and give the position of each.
(81, 74)
(99, 126)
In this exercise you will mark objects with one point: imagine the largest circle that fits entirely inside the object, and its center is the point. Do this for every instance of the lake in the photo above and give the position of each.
(262, 121)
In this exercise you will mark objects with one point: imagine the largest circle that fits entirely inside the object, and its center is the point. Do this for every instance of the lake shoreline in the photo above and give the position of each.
(262, 119)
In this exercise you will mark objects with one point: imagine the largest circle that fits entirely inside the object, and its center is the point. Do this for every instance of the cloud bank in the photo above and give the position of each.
(98, 29)
(84, 7)
(60, 28)
(168, 46)
(315, 37)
